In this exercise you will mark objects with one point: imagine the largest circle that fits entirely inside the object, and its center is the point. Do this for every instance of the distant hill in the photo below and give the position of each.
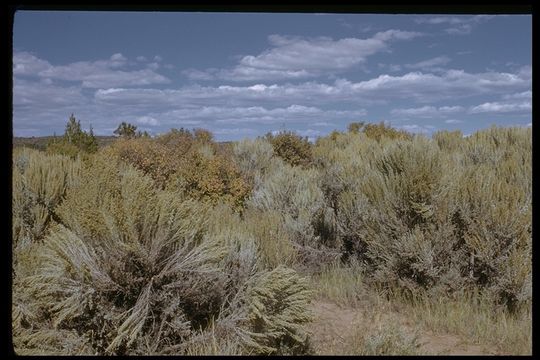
(40, 142)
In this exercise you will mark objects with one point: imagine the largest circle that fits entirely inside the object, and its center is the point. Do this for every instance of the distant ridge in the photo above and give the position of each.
(40, 142)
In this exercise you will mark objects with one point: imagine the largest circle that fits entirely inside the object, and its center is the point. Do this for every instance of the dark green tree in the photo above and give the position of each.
(126, 130)
(74, 140)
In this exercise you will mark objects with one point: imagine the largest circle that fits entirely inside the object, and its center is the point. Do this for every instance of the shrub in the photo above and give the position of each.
(210, 177)
(74, 141)
(436, 216)
(126, 130)
(272, 238)
(295, 194)
(39, 184)
(253, 156)
(149, 156)
(150, 273)
(379, 131)
(292, 148)
(449, 140)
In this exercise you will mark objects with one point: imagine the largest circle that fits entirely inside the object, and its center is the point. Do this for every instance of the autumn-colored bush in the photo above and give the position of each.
(192, 165)
(379, 131)
(210, 177)
(152, 158)
(292, 148)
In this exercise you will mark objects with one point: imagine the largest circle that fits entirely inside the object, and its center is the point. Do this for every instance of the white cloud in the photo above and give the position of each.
(521, 95)
(41, 95)
(453, 121)
(141, 58)
(460, 25)
(322, 123)
(293, 57)
(25, 63)
(416, 86)
(147, 120)
(430, 63)
(158, 58)
(91, 74)
(502, 107)
(428, 111)
(118, 58)
(415, 128)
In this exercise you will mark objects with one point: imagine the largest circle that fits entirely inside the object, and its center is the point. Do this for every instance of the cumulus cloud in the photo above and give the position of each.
(91, 74)
(294, 57)
(25, 63)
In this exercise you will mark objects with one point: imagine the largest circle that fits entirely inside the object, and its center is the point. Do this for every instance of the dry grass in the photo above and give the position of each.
(341, 284)
(475, 318)
(376, 323)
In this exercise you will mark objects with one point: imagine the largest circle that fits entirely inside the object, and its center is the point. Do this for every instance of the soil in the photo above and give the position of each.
(334, 326)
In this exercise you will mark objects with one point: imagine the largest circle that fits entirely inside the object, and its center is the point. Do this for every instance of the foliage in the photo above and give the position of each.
(147, 155)
(192, 165)
(74, 140)
(179, 245)
(253, 156)
(378, 131)
(126, 130)
(292, 148)
(210, 177)
(435, 216)
(138, 270)
(39, 184)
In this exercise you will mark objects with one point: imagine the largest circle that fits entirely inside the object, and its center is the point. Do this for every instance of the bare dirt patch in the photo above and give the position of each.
(335, 326)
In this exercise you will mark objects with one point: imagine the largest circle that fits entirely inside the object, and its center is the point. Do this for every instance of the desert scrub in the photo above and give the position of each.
(148, 274)
(253, 157)
(207, 176)
(192, 165)
(147, 155)
(295, 193)
(292, 148)
(39, 184)
(439, 215)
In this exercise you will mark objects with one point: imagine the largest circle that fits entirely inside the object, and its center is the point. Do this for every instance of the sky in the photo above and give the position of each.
(246, 74)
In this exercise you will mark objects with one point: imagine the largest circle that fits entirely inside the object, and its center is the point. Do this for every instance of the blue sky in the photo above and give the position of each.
(243, 75)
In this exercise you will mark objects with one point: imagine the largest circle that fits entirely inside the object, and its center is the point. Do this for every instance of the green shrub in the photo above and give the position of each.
(435, 215)
(74, 141)
(39, 183)
(137, 270)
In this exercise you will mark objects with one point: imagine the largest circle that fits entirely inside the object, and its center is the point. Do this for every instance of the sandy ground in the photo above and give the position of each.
(334, 326)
